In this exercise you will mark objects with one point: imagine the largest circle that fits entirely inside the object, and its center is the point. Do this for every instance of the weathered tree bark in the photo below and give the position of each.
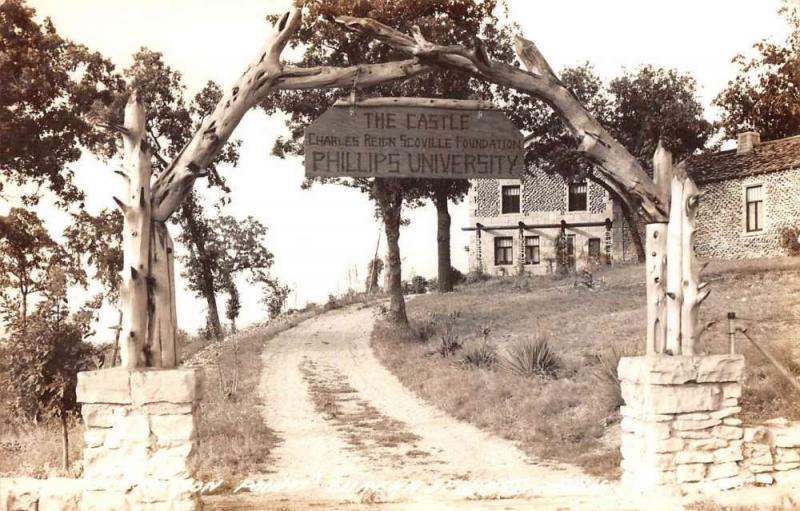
(656, 259)
(656, 275)
(675, 269)
(135, 235)
(615, 163)
(443, 240)
(390, 201)
(694, 291)
(162, 339)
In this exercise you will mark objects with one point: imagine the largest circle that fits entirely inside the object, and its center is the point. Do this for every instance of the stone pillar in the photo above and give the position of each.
(140, 438)
(679, 424)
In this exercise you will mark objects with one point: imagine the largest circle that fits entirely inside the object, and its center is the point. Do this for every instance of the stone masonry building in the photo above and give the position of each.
(750, 194)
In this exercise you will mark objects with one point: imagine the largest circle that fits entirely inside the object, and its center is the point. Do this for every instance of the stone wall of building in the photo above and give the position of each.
(721, 217)
(543, 201)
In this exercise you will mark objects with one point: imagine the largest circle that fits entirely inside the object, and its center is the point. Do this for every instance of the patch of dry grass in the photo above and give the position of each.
(28, 450)
(574, 417)
(234, 440)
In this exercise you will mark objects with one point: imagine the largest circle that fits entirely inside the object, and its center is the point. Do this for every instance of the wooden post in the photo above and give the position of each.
(162, 338)
(656, 268)
(674, 269)
(694, 291)
(732, 332)
(478, 249)
(135, 235)
(656, 260)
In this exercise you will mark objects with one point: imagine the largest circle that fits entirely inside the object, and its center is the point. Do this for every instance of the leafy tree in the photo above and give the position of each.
(324, 43)
(765, 95)
(28, 257)
(233, 306)
(638, 108)
(274, 297)
(99, 239)
(41, 359)
(47, 86)
(228, 247)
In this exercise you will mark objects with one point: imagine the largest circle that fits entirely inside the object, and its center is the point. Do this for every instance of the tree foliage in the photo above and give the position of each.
(99, 239)
(765, 95)
(48, 86)
(638, 108)
(28, 259)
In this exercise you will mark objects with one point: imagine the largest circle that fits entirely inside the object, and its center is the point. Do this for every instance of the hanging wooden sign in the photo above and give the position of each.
(413, 137)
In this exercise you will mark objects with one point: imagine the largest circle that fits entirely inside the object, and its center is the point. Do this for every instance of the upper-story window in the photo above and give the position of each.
(754, 208)
(576, 196)
(510, 195)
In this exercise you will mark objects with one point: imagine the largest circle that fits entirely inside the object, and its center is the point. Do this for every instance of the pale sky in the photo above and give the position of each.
(318, 234)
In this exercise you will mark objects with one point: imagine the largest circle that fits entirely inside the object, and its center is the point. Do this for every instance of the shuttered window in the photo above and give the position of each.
(532, 255)
(510, 199)
(503, 251)
(577, 196)
(754, 208)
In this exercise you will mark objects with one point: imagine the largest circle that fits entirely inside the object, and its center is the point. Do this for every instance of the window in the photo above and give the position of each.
(503, 251)
(577, 196)
(754, 208)
(531, 249)
(510, 199)
(594, 248)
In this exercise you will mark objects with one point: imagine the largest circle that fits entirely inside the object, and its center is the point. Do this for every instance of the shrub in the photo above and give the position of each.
(450, 341)
(482, 356)
(332, 303)
(532, 358)
(790, 240)
(418, 285)
(456, 277)
(425, 328)
(605, 372)
(475, 276)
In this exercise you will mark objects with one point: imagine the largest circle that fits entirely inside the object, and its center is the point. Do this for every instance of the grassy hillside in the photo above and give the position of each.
(572, 415)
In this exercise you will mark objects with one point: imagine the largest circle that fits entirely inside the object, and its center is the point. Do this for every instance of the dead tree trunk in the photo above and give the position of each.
(694, 291)
(390, 201)
(656, 261)
(162, 344)
(443, 240)
(135, 235)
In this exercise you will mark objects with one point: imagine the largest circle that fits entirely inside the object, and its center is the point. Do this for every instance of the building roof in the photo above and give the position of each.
(773, 156)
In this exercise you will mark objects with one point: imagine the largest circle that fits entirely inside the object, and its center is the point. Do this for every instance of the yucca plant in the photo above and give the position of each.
(450, 340)
(480, 356)
(606, 370)
(533, 357)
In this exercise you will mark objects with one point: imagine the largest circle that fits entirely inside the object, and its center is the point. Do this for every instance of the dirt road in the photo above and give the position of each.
(355, 437)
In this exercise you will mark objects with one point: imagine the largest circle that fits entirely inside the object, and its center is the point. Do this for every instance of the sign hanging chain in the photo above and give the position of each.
(353, 92)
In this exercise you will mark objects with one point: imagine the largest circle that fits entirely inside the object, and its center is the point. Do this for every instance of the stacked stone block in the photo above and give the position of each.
(140, 437)
(772, 453)
(679, 425)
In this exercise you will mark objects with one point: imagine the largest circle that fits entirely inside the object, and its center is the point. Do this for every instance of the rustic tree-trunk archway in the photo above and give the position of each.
(148, 334)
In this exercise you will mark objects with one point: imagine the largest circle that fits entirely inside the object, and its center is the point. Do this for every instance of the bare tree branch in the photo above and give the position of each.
(616, 164)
